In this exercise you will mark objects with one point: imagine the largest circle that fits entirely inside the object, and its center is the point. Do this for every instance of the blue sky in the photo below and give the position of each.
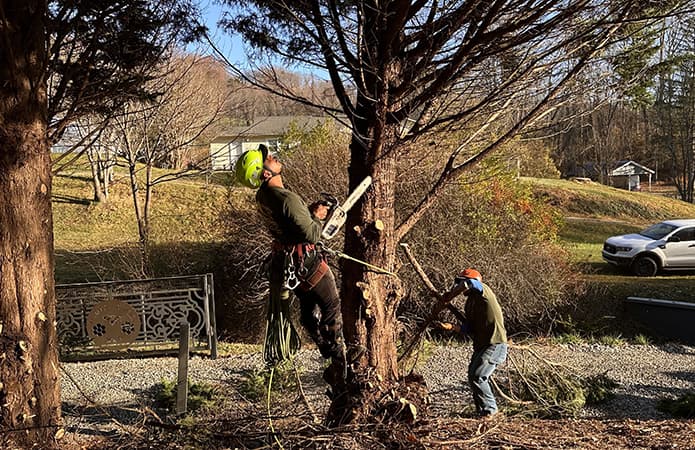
(231, 46)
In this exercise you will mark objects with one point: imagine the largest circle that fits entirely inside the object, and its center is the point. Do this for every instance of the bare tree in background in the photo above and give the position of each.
(101, 55)
(405, 71)
(675, 105)
(610, 119)
(161, 132)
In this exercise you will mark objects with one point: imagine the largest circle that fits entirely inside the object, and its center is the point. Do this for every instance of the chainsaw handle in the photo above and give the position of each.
(329, 200)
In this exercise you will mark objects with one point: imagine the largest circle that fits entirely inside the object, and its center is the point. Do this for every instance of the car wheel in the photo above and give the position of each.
(645, 266)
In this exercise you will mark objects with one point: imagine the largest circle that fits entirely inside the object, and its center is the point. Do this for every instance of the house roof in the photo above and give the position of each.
(629, 167)
(271, 126)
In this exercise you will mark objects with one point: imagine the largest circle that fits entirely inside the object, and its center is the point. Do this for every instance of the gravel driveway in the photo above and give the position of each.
(645, 373)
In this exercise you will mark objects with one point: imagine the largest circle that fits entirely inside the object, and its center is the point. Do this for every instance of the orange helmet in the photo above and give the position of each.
(471, 273)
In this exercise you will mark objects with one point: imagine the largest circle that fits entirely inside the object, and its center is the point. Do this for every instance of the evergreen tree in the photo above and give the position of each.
(57, 62)
(404, 71)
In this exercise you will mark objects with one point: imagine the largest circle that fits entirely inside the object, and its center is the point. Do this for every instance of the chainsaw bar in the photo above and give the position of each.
(338, 215)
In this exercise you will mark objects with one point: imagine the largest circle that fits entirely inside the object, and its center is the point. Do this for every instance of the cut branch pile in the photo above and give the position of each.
(537, 387)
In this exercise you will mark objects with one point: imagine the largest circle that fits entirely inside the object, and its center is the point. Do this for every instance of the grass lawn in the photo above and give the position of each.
(96, 241)
(584, 236)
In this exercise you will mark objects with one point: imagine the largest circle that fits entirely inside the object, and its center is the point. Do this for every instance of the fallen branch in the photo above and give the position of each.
(506, 397)
(544, 388)
(314, 417)
(443, 301)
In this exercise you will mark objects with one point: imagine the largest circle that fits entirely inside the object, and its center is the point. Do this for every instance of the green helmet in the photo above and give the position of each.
(250, 165)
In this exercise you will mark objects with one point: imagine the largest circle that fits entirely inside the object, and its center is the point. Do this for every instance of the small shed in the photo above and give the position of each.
(628, 175)
(226, 148)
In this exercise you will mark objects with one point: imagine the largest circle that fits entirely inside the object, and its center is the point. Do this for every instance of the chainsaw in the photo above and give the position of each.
(337, 214)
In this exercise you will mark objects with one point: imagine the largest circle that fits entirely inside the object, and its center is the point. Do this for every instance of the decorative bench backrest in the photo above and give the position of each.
(135, 316)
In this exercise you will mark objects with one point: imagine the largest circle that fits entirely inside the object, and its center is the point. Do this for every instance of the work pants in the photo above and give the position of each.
(483, 363)
(319, 309)
(321, 316)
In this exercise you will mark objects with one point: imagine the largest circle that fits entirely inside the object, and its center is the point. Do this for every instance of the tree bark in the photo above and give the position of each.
(370, 299)
(29, 388)
(141, 218)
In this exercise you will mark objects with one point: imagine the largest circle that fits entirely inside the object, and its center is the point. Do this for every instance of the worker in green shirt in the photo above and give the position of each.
(295, 263)
(485, 324)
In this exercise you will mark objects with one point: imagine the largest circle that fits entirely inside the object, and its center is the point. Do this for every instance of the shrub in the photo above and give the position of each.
(240, 309)
(612, 340)
(199, 395)
(568, 338)
(642, 339)
(598, 388)
(494, 224)
(255, 383)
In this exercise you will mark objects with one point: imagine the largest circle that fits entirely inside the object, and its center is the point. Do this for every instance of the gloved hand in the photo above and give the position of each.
(445, 326)
(319, 209)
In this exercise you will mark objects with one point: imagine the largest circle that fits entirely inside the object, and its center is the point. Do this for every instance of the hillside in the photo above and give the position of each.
(594, 212)
(96, 241)
(594, 200)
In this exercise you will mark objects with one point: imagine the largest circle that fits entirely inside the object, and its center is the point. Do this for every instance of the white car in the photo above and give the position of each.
(668, 245)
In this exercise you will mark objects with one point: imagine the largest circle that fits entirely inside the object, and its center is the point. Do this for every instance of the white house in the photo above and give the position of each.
(627, 174)
(226, 148)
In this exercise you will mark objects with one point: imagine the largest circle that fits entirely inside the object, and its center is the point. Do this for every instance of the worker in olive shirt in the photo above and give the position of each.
(295, 262)
(485, 324)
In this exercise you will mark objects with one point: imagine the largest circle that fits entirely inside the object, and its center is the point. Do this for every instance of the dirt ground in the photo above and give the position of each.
(505, 434)
(251, 431)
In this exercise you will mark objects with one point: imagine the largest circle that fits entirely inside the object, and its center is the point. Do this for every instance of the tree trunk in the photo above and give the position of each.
(29, 388)
(369, 299)
(140, 217)
(95, 165)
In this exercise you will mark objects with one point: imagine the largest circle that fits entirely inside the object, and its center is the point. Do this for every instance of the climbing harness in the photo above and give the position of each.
(304, 265)
(291, 280)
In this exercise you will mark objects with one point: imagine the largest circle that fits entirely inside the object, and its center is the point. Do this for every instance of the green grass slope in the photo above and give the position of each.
(97, 241)
(599, 201)
(594, 212)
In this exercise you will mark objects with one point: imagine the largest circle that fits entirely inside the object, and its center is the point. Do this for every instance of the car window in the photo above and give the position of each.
(686, 234)
(658, 231)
